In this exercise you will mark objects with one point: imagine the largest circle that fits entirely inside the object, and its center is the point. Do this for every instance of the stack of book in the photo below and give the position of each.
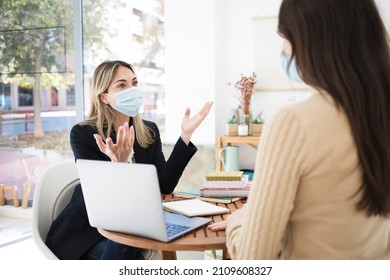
(220, 187)
(225, 183)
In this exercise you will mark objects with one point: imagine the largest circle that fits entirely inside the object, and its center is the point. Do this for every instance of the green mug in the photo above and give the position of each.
(231, 159)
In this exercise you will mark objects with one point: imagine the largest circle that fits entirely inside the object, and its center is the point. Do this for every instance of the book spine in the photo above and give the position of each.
(224, 192)
(222, 189)
(225, 184)
(216, 195)
(223, 178)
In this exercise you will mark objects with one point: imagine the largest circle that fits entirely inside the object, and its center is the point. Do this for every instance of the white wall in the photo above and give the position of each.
(235, 54)
(209, 43)
(189, 35)
(384, 9)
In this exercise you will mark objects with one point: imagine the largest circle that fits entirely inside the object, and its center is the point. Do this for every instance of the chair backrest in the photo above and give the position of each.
(52, 193)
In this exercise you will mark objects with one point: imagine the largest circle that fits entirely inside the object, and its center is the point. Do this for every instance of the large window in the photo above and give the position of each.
(25, 96)
(38, 96)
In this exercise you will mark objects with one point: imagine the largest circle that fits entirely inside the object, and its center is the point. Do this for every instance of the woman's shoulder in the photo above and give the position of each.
(318, 108)
(83, 128)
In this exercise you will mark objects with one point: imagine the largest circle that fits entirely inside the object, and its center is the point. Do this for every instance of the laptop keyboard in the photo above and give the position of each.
(173, 229)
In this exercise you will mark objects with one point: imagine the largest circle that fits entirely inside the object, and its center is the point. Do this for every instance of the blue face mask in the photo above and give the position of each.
(291, 71)
(128, 101)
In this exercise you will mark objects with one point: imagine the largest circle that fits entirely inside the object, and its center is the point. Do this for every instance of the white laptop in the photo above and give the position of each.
(126, 198)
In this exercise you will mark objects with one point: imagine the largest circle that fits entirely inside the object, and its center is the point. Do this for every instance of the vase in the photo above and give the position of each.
(243, 129)
(246, 119)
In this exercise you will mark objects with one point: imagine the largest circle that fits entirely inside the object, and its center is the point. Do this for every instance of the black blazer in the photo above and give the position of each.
(70, 235)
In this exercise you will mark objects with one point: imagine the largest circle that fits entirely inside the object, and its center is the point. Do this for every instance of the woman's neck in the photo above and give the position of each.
(120, 119)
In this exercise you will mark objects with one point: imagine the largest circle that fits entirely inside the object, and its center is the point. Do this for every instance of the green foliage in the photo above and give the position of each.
(257, 120)
(37, 38)
(40, 49)
(233, 120)
(38, 35)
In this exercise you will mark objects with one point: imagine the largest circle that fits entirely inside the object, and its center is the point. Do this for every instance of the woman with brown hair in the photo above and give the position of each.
(322, 177)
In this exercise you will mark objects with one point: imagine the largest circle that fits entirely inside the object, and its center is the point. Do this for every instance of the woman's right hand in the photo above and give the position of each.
(121, 150)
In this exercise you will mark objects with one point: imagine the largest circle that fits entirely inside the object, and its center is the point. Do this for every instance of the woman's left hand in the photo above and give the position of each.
(189, 125)
(236, 215)
(217, 226)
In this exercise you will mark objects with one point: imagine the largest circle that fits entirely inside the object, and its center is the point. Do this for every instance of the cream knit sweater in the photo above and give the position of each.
(303, 201)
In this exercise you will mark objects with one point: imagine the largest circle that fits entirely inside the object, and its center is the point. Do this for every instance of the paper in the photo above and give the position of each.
(194, 207)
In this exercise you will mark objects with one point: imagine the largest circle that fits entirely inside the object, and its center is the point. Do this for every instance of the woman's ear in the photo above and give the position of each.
(103, 98)
(287, 47)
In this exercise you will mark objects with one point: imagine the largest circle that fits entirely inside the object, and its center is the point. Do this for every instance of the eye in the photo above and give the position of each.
(121, 85)
(135, 83)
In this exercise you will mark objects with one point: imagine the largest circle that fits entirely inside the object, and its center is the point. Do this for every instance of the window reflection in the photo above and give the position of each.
(25, 96)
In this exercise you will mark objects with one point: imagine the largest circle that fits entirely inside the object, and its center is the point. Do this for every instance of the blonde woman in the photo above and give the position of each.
(114, 131)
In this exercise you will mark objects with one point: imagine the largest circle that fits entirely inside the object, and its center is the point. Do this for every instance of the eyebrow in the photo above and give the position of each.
(121, 80)
(124, 80)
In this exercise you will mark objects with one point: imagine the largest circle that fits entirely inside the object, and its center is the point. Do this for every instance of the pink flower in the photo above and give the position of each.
(246, 85)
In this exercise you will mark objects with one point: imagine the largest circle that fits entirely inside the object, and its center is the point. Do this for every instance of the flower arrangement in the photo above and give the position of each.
(246, 85)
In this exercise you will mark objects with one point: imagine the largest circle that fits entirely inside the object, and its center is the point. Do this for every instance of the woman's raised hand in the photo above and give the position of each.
(121, 150)
(189, 125)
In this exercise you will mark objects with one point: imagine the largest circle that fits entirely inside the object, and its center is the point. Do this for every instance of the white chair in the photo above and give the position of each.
(53, 192)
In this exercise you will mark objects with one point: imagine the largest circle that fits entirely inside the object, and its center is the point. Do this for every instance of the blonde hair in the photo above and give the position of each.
(102, 116)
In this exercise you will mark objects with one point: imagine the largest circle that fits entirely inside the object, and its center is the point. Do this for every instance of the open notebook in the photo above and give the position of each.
(194, 207)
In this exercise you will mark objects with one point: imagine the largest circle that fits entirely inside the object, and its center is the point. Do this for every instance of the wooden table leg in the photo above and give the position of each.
(167, 255)
(2, 198)
(225, 255)
(14, 194)
(219, 146)
(26, 194)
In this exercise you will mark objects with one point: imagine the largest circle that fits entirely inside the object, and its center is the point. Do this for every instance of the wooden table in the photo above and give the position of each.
(198, 240)
(223, 140)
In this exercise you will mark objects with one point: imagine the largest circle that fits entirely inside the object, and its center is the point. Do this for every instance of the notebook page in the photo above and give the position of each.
(194, 207)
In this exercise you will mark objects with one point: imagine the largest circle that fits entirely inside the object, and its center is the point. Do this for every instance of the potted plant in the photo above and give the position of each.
(232, 126)
(255, 125)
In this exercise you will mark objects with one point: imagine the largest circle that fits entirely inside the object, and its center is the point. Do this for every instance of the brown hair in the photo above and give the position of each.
(102, 116)
(341, 46)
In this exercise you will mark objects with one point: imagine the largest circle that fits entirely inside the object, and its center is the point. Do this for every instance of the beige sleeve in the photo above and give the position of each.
(279, 165)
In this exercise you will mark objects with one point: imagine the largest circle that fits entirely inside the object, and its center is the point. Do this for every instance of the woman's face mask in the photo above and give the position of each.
(291, 71)
(128, 101)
